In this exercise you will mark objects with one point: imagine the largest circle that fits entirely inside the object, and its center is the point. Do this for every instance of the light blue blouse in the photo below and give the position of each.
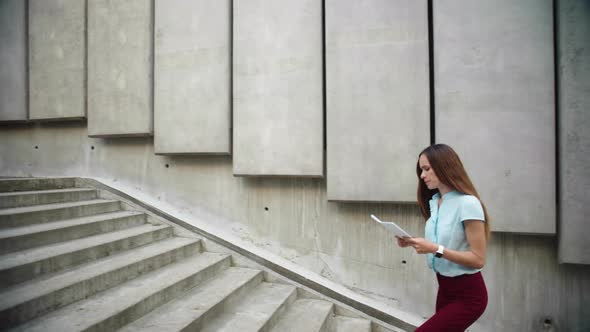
(445, 227)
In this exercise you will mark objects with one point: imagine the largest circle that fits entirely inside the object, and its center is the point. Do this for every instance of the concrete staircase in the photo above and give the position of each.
(71, 260)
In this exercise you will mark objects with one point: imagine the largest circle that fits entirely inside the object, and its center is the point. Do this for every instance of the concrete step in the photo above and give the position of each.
(23, 216)
(22, 238)
(201, 303)
(26, 301)
(305, 315)
(28, 264)
(28, 198)
(257, 311)
(349, 324)
(29, 184)
(111, 309)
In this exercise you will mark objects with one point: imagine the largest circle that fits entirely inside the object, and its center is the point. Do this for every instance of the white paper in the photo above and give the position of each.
(392, 227)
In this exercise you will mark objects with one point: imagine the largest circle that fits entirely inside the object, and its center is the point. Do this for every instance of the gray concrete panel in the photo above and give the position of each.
(57, 57)
(277, 88)
(120, 54)
(495, 104)
(13, 60)
(292, 218)
(192, 76)
(574, 135)
(377, 90)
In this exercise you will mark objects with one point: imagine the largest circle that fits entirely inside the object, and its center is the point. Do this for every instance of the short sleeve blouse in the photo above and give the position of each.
(445, 226)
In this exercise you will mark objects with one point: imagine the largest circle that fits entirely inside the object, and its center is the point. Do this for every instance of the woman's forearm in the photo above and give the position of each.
(473, 258)
(466, 258)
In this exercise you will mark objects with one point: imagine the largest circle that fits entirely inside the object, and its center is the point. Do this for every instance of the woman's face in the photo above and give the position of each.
(427, 175)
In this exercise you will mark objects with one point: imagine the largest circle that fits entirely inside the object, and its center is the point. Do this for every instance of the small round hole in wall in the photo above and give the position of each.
(266, 208)
(167, 166)
(404, 262)
(548, 321)
(92, 147)
(36, 146)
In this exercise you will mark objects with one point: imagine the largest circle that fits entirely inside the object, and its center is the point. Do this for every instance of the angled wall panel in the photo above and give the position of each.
(378, 109)
(57, 40)
(192, 76)
(120, 68)
(574, 135)
(495, 104)
(277, 88)
(13, 60)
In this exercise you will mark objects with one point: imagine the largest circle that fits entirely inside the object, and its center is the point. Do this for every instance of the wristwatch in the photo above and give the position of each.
(440, 251)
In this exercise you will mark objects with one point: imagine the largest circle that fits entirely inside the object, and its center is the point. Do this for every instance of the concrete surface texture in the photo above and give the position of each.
(120, 68)
(192, 84)
(277, 88)
(292, 218)
(13, 61)
(377, 94)
(133, 270)
(495, 104)
(574, 136)
(57, 59)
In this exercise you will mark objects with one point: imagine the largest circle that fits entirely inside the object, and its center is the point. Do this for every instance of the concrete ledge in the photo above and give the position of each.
(373, 308)
(28, 198)
(64, 119)
(21, 266)
(120, 135)
(31, 184)
(13, 122)
(201, 304)
(278, 176)
(37, 214)
(112, 309)
(23, 238)
(23, 303)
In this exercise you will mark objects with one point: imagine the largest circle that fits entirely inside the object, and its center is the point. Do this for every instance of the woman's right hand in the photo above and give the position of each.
(403, 241)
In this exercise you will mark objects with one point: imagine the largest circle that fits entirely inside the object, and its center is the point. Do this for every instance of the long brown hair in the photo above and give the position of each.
(449, 169)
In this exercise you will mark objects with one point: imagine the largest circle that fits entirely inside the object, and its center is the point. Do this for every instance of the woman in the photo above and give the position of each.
(457, 230)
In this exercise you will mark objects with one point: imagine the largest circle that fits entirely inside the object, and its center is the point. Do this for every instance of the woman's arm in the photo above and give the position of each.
(474, 258)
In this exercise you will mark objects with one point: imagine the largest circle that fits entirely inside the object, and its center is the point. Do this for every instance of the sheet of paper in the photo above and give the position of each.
(392, 227)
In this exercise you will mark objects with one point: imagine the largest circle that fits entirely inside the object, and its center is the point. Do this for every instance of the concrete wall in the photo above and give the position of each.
(292, 218)
(13, 60)
(277, 87)
(377, 93)
(495, 104)
(574, 135)
(120, 65)
(192, 76)
(57, 59)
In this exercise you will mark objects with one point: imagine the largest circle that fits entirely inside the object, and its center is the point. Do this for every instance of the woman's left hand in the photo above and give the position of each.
(422, 246)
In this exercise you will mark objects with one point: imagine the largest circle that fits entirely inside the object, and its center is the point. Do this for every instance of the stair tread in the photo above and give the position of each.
(86, 313)
(39, 253)
(32, 178)
(177, 314)
(35, 288)
(45, 207)
(349, 324)
(47, 191)
(53, 225)
(304, 315)
(254, 310)
(9, 184)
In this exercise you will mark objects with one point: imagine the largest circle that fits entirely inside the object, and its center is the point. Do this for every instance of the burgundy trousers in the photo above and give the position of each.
(460, 302)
